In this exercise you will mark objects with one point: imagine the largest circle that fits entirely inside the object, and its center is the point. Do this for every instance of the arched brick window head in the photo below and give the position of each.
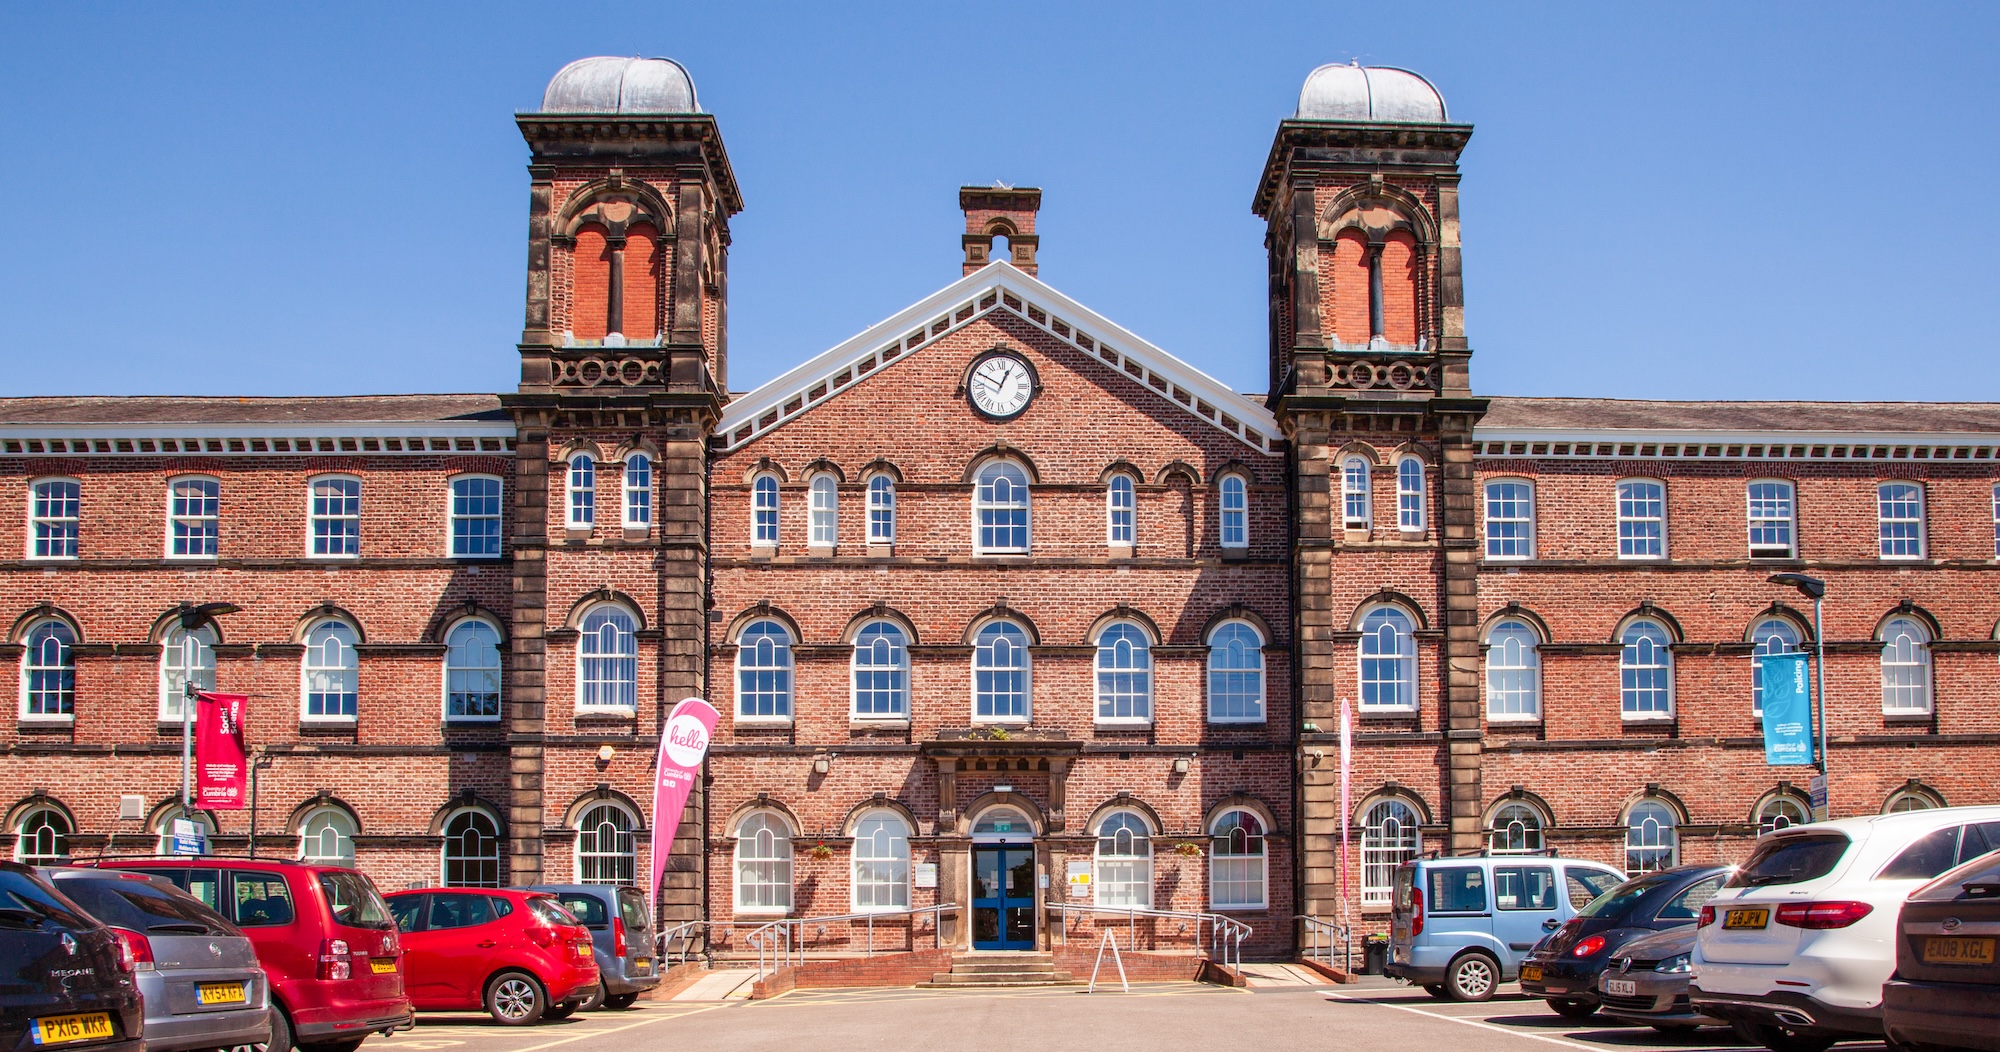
(617, 265)
(1375, 288)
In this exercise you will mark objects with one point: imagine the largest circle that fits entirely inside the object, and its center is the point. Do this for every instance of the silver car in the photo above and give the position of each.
(198, 972)
(1647, 982)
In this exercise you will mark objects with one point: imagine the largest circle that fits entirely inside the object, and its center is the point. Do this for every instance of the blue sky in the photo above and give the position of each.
(1672, 201)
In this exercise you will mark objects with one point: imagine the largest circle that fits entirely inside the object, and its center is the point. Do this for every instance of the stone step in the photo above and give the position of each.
(1005, 955)
(993, 985)
(1000, 978)
(976, 967)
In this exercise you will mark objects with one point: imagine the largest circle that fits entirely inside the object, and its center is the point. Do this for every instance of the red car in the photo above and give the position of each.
(516, 954)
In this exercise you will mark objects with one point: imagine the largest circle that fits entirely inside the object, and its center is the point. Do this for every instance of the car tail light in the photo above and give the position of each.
(135, 951)
(1587, 946)
(1821, 915)
(617, 937)
(336, 961)
(542, 936)
(1707, 917)
(1416, 911)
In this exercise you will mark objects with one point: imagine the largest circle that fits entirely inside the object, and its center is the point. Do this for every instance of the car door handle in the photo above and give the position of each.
(487, 944)
(1551, 924)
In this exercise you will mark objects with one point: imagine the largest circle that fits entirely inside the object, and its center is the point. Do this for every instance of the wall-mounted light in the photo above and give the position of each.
(1003, 788)
(1180, 765)
(605, 753)
(821, 763)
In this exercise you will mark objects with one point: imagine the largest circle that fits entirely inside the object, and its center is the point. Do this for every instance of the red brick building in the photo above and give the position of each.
(1005, 607)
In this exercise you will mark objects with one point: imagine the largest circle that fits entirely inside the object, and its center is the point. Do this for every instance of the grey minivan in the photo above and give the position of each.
(621, 934)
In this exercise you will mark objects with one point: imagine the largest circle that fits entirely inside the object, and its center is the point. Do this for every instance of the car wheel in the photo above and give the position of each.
(1572, 1009)
(593, 1000)
(1472, 977)
(515, 999)
(281, 1032)
(621, 1001)
(1779, 1039)
(561, 1011)
(1435, 990)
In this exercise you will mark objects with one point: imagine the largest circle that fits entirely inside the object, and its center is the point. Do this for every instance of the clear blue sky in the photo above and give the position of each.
(1668, 200)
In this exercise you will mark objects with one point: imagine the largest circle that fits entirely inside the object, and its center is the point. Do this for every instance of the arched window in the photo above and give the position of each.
(1652, 838)
(1645, 672)
(1236, 869)
(471, 850)
(1410, 494)
(1900, 511)
(164, 827)
(1390, 836)
(1510, 519)
(1003, 822)
(638, 491)
(1388, 661)
(1124, 861)
(1235, 673)
(881, 672)
(1235, 512)
(48, 672)
(764, 864)
(1642, 519)
(764, 671)
(55, 515)
(472, 671)
(1120, 511)
(823, 512)
(1769, 503)
(582, 502)
(335, 512)
(881, 510)
(1781, 811)
(332, 673)
(881, 862)
(1513, 672)
(764, 510)
(1906, 667)
(475, 517)
(1000, 509)
(1772, 635)
(1124, 674)
(326, 837)
(1355, 504)
(1910, 799)
(1000, 673)
(607, 845)
(608, 659)
(174, 667)
(194, 507)
(42, 838)
(1516, 830)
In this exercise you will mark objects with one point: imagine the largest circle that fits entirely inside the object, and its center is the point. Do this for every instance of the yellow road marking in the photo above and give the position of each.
(1481, 1024)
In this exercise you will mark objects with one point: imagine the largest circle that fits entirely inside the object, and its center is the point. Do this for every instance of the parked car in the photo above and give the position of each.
(516, 954)
(621, 936)
(1564, 967)
(197, 972)
(323, 935)
(1796, 946)
(1461, 926)
(65, 978)
(1647, 982)
(1946, 990)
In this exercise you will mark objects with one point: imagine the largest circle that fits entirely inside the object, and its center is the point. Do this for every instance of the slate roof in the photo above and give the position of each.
(174, 409)
(1601, 414)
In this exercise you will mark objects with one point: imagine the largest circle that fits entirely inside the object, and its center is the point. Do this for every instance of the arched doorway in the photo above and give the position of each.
(1003, 879)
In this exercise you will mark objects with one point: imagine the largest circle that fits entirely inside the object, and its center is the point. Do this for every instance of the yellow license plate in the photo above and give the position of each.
(641, 964)
(1950, 950)
(381, 966)
(1746, 919)
(1531, 973)
(63, 1029)
(219, 993)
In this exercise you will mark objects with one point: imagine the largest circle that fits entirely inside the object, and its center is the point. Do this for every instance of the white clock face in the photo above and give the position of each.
(1001, 386)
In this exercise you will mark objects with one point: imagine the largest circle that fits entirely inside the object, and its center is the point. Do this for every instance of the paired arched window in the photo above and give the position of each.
(638, 491)
(607, 845)
(881, 671)
(1124, 674)
(1652, 838)
(1000, 509)
(326, 837)
(1516, 829)
(764, 510)
(331, 673)
(55, 516)
(1235, 673)
(764, 671)
(472, 671)
(1771, 635)
(475, 517)
(1356, 506)
(1906, 667)
(1513, 672)
(881, 862)
(334, 511)
(764, 864)
(1646, 672)
(471, 854)
(1781, 811)
(1235, 494)
(48, 672)
(1410, 495)
(1237, 870)
(42, 837)
(582, 492)
(194, 513)
(176, 657)
(1642, 519)
(881, 510)
(607, 659)
(1390, 835)
(823, 511)
(1388, 661)
(1000, 673)
(1124, 861)
(1121, 509)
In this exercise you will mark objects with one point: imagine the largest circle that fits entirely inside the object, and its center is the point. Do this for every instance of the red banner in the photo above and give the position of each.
(683, 744)
(221, 770)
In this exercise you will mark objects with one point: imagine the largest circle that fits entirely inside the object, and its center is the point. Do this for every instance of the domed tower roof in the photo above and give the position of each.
(1369, 93)
(609, 84)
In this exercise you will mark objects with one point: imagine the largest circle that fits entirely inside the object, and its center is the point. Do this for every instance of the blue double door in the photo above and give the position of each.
(1003, 897)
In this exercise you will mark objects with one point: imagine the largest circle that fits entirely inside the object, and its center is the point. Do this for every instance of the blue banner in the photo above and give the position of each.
(1788, 725)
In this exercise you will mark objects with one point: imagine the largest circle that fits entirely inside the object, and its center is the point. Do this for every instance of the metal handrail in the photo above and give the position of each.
(1226, 934)
(1315, 951)
(783, 942)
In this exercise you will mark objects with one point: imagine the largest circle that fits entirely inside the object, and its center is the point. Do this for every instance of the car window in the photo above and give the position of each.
(588, 908)
(28, 905)
(1586, 884)
(1932, 854)
(408, 911)
(458, 910)
(144, 907)
(632, 907)
(353, 900)
(1791, 860)
(1620, 899)
(204, 884)
(1458, 889)
(551, 912)
(261, 900)
(1405, 882)
(1978, 839)
(1524, 887)
(1686, 906)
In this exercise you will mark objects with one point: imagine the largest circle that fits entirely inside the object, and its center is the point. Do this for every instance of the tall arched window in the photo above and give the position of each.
(1646, 672)
(1652, 838)
(472, 671)
(174, 667)
(1390, 836)
(1235, 673)
(1410, 494)
(881, 862)
(1000, 673)
(326, 837)
(1124, 674)
(764, 671)
(1124, 862)
(1906, 667)
(42, 838)
(638, 491)
(607, 845)
(1388, 661)
(608, 659)
(1236, 868)
(582, 502)
(1000, 509)
(881, 510)
(881, 671)
(823, 512)
(471, 850)
(764, 864)
(48, 672)
(1772, 635)
(1120, 511)
(1356, 506)
(1781, 811)
(764, 510)
(1513, 672)
(1516, 830)
(1235, 511)
(331, 671)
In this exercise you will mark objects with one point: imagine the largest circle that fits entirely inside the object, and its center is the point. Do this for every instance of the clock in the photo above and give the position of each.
(1001, 385)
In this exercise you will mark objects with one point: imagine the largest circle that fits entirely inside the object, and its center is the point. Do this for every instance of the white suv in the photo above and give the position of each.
(1795, 947)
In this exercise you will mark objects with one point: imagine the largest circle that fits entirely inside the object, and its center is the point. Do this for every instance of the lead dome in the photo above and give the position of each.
(610, 84)
(1369, 93)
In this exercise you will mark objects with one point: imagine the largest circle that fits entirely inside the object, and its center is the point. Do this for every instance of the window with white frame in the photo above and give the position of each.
(326, 837)
(1388, 661)
(1236, 866)
(1909, 800)
(1124, 674)
(1510, 519)
(174, 667)
(1235, 512)
(1906, 667)
(1120, 511)
(1124, 861)
(581, 496)
(1642, 519)
(1516, 829)
(471, 854)
(336, 516)
(1000, 509)
(607, 654)
(475, 517)
(823, 511)
(764, 671)
(42, 837)
(1770, 506)
(48, 672)
(1390, 836)
(763, 864)
(1645, 671)
(881, 672)
(1235, 673)
(881, 510)
(1356, 507)
(1900, 510)
(1781, 811)
(472, 671)
(1513, 672)
(194, 515)
(764, 511)
(1652, 838)
(332, 672)
(1000, 673)
(638, 491)
(1410, 495)
(1770, 635)
(607, 845)
(881, 862)
(54, 518)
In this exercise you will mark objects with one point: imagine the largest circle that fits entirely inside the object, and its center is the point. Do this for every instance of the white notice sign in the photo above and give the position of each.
(926, 874)
(1079, 880)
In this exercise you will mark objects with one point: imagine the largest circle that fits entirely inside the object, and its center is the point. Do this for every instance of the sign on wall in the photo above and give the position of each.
(1788, 727)
(926, 874)
(1079, 879)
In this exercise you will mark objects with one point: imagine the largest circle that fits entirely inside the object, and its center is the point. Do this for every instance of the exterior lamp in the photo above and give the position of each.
(1180, 765)
(822, 763)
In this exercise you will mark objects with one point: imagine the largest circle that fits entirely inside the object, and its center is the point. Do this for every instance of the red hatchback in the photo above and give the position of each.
(516, 954)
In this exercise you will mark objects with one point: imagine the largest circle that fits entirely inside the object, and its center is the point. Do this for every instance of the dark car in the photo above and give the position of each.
(1646, 981)
(66, 979)
(1565, 968)
(621, 936)
(1946, 990)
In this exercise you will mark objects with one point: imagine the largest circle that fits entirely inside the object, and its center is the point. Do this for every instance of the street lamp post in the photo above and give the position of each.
(1814, 589)
(192, 618)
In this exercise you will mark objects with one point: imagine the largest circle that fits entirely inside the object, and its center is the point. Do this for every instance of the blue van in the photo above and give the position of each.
(1461, 926)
